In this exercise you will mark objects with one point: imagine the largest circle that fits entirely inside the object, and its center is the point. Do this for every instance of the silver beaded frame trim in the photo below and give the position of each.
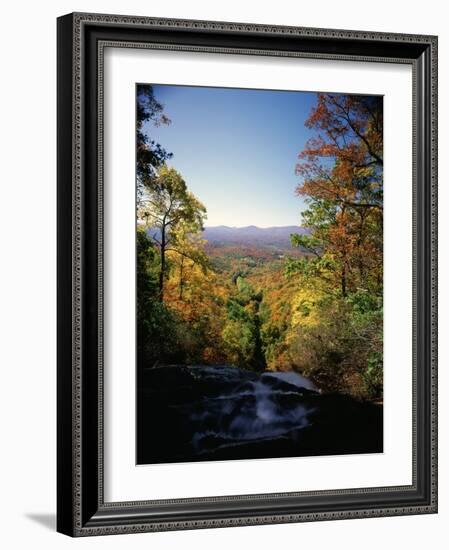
(81, 19)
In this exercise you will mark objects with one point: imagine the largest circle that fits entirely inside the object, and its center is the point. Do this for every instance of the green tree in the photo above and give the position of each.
(166, 207)
(242, 331)
(156, 324)
(188, 246)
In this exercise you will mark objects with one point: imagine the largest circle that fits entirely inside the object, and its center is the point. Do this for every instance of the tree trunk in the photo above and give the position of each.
(343, 281)
(162, 271)
(181, 280)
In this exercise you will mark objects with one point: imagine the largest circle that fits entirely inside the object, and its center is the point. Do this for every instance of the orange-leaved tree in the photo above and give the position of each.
(336, 335)
(341, 171)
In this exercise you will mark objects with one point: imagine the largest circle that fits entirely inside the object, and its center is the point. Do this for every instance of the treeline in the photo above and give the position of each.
(169, 224)
(186, 311)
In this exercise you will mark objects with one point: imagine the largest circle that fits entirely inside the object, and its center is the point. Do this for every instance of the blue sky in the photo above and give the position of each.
(237, 150)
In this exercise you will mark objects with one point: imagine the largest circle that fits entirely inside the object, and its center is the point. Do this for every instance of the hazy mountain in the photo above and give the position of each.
(264, 236)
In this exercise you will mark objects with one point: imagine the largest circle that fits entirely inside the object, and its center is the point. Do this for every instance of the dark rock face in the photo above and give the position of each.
(221, 412)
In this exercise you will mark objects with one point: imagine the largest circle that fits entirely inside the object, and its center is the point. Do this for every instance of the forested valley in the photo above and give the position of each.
(311, 304)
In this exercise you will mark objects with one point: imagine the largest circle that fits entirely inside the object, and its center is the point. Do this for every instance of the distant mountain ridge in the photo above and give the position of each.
(266, 236)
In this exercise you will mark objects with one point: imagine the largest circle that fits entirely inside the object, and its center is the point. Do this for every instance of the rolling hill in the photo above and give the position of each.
(278, 237)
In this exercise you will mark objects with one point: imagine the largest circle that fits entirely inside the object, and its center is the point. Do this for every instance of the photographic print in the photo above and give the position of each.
(235, 290)
(259, 273)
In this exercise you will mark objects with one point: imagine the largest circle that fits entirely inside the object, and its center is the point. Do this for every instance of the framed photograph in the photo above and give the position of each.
(247, 247)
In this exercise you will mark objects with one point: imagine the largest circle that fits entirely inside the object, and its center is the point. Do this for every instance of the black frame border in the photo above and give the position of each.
(81, 510)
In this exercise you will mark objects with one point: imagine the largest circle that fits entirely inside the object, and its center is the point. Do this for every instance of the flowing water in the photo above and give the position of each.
(223, 412)
(267, 407)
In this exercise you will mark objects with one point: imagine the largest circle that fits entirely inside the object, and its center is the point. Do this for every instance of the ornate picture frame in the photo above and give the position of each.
(81, 507)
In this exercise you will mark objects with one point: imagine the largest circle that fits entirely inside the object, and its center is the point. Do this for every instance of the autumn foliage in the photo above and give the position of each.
(341, 178)
(317, 308)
